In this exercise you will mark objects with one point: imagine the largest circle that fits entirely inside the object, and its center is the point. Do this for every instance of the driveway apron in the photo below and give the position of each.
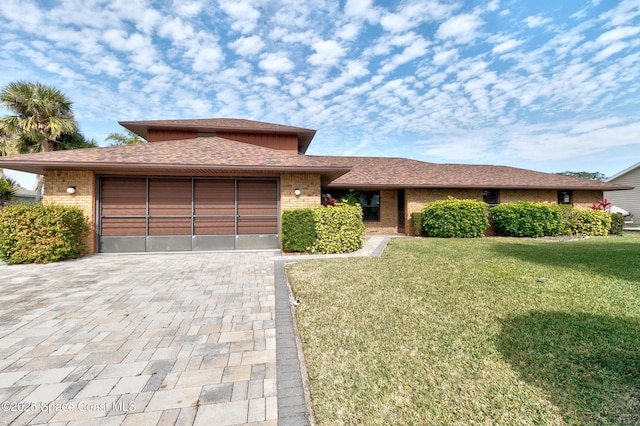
(141, 339)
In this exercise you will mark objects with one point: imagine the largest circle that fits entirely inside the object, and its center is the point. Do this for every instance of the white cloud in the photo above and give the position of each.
(415, 50)
(244, 14)
(462, 28)
(536, 21)
(507, 45)
(610, 50)
(361, 9)
(328, 53)
(207, 58)
(276, 63)
(247, 46)
(618, 33)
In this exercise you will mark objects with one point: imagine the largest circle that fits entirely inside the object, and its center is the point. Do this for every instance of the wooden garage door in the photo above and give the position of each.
(166, 214)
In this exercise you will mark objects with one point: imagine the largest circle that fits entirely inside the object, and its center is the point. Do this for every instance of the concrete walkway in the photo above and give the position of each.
(152, 339)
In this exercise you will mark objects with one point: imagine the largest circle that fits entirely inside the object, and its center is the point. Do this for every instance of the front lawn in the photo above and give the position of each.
(475, 331)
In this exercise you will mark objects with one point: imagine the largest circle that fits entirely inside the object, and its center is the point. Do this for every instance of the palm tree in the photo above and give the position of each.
(8, 189)
(42, 115)
(128, 138)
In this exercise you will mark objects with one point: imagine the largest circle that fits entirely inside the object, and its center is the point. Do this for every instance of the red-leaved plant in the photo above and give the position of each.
(603, 204)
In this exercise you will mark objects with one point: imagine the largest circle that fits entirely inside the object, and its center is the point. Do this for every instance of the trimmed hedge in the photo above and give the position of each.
(591, 222)
(339, 228)
(617, 224)
(36, 233)
(298, 230)
(527, 219)
(454, 218)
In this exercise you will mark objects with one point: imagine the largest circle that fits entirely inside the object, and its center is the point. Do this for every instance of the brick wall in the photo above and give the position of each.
(388, 223)
(584, 199)
(56, 183)
(309, 186)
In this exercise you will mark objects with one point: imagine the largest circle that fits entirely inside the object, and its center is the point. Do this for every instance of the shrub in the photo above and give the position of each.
(591, 222)
(339, 228)
(417, 220)
(298, 230)
(37, 233)
(527, 219)
(617, 224)
(454, 218)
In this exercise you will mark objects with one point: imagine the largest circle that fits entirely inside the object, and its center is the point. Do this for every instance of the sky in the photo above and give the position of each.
(546, 85)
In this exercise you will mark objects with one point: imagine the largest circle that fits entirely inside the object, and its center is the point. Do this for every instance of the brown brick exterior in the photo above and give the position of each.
(56, 183)
(388, 223)
(309, 186)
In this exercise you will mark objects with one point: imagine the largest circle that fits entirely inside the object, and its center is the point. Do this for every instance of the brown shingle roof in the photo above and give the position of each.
(213, 125)
(190, 156)
(381, 172)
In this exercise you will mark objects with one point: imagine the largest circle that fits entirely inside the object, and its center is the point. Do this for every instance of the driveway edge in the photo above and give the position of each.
(292, 403)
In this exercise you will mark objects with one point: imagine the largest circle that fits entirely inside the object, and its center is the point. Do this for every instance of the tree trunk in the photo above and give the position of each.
(39, 188)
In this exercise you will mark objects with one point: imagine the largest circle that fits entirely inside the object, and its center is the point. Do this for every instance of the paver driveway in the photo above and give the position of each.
(139, 339)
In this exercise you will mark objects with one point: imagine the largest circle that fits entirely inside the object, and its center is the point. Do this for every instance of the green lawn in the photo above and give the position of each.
(475, 331)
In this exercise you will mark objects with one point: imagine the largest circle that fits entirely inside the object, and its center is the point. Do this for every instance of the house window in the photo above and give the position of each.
(368, 200)
(491, 196)
(565, 197)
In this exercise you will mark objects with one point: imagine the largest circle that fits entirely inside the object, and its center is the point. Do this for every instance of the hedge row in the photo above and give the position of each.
(36, 233)
(330, 229)
(469, 218)
(454, 218)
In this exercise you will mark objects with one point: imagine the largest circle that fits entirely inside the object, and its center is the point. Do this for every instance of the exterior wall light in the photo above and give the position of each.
(297, 192)
(71, 190)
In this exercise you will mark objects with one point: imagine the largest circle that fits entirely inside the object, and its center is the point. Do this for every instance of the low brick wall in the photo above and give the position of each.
(309, 186)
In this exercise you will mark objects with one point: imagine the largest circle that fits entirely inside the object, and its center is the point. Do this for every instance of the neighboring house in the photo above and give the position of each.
(24, 196)
(220, 184)
(628, 200)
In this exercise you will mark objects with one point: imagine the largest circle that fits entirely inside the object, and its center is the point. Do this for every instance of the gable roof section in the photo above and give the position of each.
(230, 125)
(383, 172)
(202, 156)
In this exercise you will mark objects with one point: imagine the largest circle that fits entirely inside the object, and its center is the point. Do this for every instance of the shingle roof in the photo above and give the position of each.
(190, 156)
(381, 172)
(213, 125)
(214, 155)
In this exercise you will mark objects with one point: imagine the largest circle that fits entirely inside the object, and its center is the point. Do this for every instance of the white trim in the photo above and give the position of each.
(624, 172)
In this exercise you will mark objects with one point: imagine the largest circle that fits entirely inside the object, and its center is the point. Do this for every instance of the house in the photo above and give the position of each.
(24, 196)
(627, 200)
(221, 184)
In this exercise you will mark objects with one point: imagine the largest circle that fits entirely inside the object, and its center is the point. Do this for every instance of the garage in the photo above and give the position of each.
(156, 214)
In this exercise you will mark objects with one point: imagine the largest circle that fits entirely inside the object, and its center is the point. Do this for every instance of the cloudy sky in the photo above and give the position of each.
(547, 85)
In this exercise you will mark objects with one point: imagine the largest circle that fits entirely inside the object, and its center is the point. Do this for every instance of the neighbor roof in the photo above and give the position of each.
(385, 172)
(201, 156)
(213, 125)
(624, 172)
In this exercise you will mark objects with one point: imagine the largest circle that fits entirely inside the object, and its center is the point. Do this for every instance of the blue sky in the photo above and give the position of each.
(544, 85)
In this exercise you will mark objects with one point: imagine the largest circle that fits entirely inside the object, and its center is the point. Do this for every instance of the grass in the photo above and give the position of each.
(480, 331)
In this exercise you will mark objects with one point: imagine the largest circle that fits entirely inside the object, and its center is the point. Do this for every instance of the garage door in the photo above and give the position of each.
(180, 214)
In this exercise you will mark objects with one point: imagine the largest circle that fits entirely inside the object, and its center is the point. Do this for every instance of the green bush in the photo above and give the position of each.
(591, 222)
(339, 228)
(298, 230)
(617, 224)
(37, 233)
(527, 219)
(454, 218)
(417, 220)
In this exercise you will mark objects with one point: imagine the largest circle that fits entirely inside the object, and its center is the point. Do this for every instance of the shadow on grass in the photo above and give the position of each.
(587, 365)
(607, 256)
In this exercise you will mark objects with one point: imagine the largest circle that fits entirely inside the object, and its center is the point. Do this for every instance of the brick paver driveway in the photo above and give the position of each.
(139, 339)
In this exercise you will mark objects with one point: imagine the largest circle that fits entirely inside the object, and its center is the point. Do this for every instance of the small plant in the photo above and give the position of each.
(617, 224)
(7, 190)
(603, 204)
(328, 200)
(454, 218)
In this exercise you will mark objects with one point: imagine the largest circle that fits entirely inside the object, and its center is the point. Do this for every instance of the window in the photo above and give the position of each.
(565, 197)
(368, 200)
(491, 196)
